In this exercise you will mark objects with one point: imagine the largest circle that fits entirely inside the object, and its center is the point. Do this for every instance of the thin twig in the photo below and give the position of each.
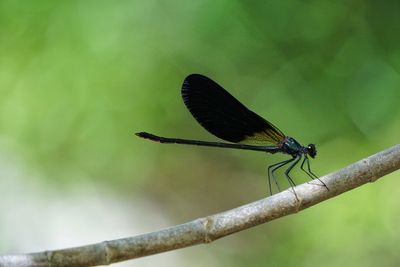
(205, 230)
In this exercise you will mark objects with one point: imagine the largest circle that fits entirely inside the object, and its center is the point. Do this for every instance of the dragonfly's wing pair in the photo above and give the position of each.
(224, 116)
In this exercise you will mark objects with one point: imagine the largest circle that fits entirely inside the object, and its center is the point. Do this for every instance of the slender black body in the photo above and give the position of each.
(225, 117)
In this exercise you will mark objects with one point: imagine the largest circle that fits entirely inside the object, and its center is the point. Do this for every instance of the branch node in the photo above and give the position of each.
(49, 257)
(107, 251)
(298, 203)
(208, 222)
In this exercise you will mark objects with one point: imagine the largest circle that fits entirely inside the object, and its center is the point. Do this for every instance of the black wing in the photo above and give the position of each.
(223, 115)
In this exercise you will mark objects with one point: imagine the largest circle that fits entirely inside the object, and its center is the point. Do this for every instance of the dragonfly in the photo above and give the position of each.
(221, 114)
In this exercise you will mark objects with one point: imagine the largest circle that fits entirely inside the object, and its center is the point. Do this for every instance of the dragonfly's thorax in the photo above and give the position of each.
(290, 146)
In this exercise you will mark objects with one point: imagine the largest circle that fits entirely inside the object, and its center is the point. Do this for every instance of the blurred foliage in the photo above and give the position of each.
(78, 78)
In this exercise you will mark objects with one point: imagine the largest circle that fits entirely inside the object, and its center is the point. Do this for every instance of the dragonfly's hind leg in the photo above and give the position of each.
(271, 169)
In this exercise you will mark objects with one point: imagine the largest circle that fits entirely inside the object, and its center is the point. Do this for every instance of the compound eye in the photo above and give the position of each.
(312, 151)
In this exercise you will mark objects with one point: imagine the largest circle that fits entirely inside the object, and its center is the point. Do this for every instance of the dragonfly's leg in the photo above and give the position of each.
(309, 171)
(292, 184)
(272, 169)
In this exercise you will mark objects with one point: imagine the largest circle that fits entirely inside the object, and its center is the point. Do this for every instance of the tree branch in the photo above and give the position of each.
(207, 229)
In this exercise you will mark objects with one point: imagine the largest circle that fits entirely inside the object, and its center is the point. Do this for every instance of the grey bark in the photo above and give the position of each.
(208, 229)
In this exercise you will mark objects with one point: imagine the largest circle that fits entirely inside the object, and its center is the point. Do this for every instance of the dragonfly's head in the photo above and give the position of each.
(311, 150)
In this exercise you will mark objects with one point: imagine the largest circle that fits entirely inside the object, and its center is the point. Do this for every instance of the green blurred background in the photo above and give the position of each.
(78, 78)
